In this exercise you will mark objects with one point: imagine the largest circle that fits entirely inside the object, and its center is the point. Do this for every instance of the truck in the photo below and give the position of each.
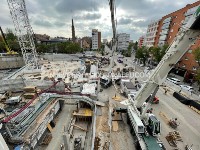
(127, 87)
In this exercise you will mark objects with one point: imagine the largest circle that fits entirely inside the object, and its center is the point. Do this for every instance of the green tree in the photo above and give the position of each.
(135, 45)
(72, 48)
(196, 54)
(158, 52)
(42, 48)
(10, 35)
(142, 53)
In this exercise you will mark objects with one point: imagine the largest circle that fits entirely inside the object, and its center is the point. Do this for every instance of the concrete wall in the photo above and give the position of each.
(10, 62)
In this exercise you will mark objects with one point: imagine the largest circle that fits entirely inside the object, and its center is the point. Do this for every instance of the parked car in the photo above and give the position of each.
(174, 80)
(187, 88)
(119, 61)
(141, 65)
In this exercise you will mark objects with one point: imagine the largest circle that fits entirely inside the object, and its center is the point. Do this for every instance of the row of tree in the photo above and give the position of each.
(11, 40)
(64, 47)
(153, 53)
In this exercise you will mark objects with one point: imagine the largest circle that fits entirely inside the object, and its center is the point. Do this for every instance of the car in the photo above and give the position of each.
(187, 88)
(174, 80)
(141, 65)
(119, 61)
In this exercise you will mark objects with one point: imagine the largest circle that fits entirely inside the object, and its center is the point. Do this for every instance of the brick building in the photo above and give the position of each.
(167, 30)
(151, 33)
(96, 39)
(141, 41)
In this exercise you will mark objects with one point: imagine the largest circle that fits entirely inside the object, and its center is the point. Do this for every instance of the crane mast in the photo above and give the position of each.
(24, 32)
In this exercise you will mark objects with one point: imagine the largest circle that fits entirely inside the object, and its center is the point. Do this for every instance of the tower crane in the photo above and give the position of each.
(136, 110)
(24, 32)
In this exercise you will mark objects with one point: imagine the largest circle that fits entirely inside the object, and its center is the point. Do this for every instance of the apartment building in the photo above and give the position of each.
(96, 39)
(152, 30)
(141, 41)
(123, 41)
(167, 29)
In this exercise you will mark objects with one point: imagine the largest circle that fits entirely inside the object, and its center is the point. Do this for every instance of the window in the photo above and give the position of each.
(186, 58)
(189, 51)
(183, 65)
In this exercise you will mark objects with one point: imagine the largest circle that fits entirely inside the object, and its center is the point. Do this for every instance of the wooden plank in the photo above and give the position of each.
(99, 103)
(115, 126)
(80, 127)
(49, 127)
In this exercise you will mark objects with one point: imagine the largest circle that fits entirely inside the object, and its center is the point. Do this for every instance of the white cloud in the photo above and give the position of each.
(54, 17)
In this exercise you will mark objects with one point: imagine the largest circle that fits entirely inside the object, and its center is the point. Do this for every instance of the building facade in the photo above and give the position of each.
(96, 39)
(152, 30)
(167, 29)
(141, 41)
(105, 41)
(123, 41)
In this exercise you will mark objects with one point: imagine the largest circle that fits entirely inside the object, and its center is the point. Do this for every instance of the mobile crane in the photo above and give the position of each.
(142, 120)
(8, 49)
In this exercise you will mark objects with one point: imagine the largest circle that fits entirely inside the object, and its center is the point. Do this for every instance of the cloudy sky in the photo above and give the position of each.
(53, 17)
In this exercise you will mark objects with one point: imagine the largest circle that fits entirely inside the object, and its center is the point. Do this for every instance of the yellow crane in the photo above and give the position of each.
(9, 51)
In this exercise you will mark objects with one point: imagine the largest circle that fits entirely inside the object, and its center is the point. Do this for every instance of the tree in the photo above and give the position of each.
(135, 46)
(158, 52)
(197, 78)
(42, 48)
(11, 40)
(196, 54)
(142, 53)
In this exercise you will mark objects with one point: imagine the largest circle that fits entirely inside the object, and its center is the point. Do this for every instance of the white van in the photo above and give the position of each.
(174, 80)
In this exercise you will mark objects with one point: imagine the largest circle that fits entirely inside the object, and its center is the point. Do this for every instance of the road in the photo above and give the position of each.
(189, 127)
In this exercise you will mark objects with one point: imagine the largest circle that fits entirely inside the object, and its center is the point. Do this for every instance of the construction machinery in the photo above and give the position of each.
(173, 123)
(8, 49)
(187, 35)
(24, 32)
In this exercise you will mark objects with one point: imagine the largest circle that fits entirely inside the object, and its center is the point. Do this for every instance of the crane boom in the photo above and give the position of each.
(186, 36)
(112, 10)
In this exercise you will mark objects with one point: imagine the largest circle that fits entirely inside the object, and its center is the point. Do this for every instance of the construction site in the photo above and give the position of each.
(79, 102)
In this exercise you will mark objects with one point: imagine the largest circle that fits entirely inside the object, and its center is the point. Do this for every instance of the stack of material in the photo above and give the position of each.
(29, 95)
(89, 88)
(30, 89)
(30, 92)
(173, 137)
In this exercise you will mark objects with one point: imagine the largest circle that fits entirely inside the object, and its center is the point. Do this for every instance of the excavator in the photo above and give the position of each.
(8, 49)
(145, 125)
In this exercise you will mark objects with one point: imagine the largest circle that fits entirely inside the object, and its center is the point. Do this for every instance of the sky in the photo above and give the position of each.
(53, 17)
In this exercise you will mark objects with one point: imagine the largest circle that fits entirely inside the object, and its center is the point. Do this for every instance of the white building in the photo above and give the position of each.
(151, 33)
(105, 41)
(123, 41)
(96, 39)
